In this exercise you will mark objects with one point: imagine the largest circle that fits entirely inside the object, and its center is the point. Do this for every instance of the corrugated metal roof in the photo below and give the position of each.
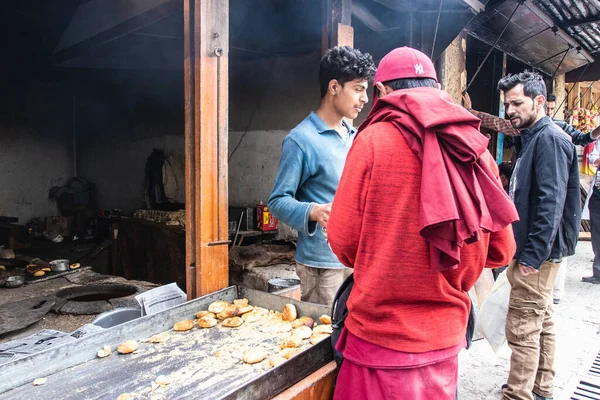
(530, 33)
(579, 18)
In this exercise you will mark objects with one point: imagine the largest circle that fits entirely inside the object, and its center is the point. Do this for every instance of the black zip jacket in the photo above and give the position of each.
(545, 189)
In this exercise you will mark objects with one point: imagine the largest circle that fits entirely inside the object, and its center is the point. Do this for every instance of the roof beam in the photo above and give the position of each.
(97, 22)
(475, 5)
(573, 23)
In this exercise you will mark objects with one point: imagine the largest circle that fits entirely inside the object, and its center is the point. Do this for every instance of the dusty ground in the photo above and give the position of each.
(577, 321)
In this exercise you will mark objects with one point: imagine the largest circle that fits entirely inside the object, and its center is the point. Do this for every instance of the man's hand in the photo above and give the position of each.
(597, 162)
(467, 101)
(320, 213)
(525, 270)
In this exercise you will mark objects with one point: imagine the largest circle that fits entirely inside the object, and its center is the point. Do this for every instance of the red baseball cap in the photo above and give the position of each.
(402, 63)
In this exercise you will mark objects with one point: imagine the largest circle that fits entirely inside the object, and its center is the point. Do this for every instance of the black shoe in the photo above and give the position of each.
(556, 301)
(591, 279)
(538, 397)
(504, 386)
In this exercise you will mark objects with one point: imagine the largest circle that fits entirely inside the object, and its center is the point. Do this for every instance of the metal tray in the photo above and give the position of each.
(73, 371)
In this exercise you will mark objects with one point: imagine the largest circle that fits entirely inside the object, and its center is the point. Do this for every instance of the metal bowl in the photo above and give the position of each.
(59, 265)
(14, 281)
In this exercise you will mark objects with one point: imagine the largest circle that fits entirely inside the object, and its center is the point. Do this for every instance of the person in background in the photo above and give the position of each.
(505, 170)
(578, 137)
(312, 159)
(498, 124)
(415, 256)
(591, 211)
(545, 188)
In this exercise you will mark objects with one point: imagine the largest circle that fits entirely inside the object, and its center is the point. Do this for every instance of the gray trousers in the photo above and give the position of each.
(595, 222)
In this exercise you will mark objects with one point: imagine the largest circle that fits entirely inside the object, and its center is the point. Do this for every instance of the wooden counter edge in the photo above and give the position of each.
(317, 386)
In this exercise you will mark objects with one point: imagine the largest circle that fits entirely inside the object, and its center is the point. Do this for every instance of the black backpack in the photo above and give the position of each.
(339, 312)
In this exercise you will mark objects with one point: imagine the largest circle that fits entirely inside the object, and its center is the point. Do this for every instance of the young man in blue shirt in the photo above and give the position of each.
(312, 160)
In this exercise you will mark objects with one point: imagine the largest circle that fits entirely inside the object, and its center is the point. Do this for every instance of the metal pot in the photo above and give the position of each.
(14, 281)
(59, 265)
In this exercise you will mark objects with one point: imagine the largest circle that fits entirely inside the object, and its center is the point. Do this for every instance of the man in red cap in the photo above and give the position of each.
(418, 213)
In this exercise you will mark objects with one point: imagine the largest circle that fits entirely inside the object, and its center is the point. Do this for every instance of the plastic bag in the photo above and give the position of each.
(491, 319)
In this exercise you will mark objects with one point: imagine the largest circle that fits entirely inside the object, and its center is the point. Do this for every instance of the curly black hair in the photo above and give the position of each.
(533, 83)
(344, 64)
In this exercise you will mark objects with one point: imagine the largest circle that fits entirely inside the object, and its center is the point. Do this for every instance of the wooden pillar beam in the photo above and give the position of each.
(206, 42)
(337, 21)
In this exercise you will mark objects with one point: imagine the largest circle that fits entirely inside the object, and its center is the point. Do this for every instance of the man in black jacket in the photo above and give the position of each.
(545, 188)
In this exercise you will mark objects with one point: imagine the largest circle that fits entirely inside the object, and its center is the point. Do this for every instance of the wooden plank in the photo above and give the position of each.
(337, 20)
(206, 34)
(344, 35)
(317, 386)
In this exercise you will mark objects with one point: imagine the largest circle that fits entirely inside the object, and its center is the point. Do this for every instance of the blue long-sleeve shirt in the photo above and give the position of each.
(311, 164)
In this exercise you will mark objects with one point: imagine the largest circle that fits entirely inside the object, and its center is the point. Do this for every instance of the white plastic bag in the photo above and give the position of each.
(491, 319)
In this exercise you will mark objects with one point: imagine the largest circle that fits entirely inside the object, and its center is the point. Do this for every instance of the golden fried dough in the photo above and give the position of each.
(127, 347)
(304, 332)
(241, 302)
(323, 329)
(201, 314)
(245, 309)
(105, 352)
(160, 338)
(251, 317)
(276, 360)
(207, 322)
(314, 339)
(183, 326)
(217, 306)
(291, 342)
(254, 355)
(303, 321)
(325, 319)
(289, 312)
(228, 312)
(233, 322)
(289, 353)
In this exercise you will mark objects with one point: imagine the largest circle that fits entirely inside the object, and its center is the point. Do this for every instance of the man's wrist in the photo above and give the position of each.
(525, 264)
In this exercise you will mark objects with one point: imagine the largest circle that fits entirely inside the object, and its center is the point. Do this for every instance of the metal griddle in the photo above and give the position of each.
(74, 372)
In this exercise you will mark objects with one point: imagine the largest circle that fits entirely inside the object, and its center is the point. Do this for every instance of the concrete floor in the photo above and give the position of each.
(577, 321)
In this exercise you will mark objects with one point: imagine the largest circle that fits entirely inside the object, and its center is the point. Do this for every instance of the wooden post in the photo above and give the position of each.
(206, 42)
(337, 21)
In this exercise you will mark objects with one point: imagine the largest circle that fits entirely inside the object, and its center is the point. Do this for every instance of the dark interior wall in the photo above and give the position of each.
(121, 117)
(35, 141)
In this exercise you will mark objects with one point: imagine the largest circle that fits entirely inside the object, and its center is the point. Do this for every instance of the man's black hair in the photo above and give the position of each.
(533, 83)
(344, 64)
(411, 83)
(505, 169)
(551, 97)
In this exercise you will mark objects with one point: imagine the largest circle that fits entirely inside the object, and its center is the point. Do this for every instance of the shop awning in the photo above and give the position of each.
(532, 34)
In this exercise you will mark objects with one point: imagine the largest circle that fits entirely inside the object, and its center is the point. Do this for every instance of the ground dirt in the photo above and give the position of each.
(577, 321)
